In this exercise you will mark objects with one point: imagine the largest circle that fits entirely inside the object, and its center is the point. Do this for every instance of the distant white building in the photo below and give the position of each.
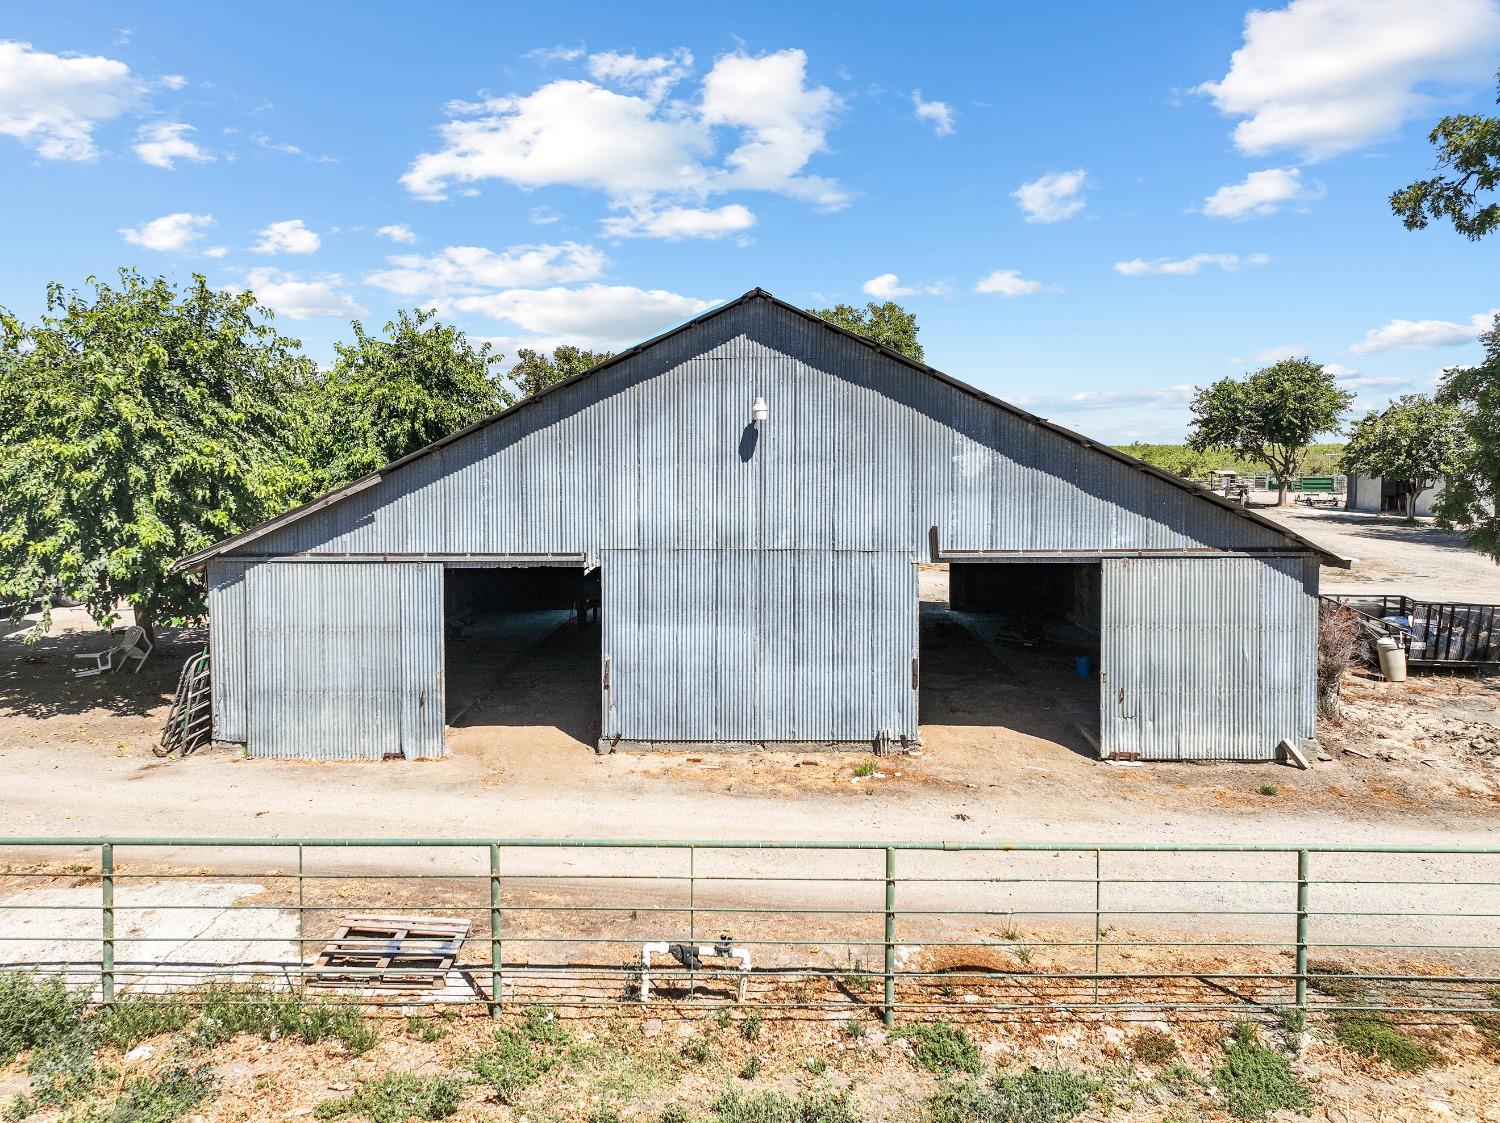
(1379, 495)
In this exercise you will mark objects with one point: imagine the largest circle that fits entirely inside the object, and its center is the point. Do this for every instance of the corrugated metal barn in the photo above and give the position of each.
(759, 578)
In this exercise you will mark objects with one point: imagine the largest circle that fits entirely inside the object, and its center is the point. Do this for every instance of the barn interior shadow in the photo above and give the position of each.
(532, 666)
(971, 675)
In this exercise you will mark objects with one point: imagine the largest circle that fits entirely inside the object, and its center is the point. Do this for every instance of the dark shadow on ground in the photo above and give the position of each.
(37, 679)
(552, 681)
(1031, 690)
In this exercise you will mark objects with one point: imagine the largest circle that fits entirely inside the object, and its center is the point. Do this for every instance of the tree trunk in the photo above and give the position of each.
(145, 619)
(1281, 489)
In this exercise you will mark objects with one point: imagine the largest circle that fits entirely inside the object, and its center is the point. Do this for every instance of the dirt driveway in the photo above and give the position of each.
(1394, 556)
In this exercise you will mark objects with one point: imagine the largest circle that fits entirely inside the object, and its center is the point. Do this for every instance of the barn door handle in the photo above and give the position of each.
(606, 672)
(1121, 699)
(913, 674)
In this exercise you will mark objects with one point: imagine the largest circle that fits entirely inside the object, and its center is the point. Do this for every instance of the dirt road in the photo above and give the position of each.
(1394, 557)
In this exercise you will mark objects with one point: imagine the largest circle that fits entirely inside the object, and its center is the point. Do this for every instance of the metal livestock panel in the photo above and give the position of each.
(860, 452)
(1206, 658)
(345, 660)
(226, 642)
(747, 647)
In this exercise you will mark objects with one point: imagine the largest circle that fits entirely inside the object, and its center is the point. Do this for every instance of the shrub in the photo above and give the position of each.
(942, 1047)
(855, 1029)
(35, 1010)
(750, 1028)
(229, 1009)
(1033, 1096)
(674, 1113)
(604, 1114)
(64, 1072)
(1373, 1035)
(540, 1025)
(1327, 978)
(397, 1097)
(1340, 640)
(773, 1107)
(163, 1096)
(1257, 1080)
(134, 1017)
(513, 1064)
(426, 1030)
(696, 1049)
(751, 1069)
(1269, 789)
(1153, 1047)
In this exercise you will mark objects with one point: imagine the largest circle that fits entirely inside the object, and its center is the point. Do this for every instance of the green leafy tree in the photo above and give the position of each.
(1468, 153)
(138, 424)
(1271, 415)
(1415, 439)
(888, 324)
(535, 371)
(387, 396)
(1471, 497)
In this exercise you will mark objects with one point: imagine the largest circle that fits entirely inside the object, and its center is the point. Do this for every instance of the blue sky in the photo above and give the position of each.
(1092, 207)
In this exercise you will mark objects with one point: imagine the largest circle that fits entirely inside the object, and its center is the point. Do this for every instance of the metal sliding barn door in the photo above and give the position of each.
(345, 660)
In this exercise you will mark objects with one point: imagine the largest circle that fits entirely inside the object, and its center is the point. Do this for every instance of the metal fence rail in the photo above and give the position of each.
(885, 927)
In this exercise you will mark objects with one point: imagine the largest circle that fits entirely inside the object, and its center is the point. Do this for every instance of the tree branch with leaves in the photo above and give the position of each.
(1468, 150)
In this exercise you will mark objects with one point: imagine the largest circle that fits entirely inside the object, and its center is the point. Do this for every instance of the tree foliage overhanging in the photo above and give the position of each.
(1471, 496)
(138, 424)
(888, 324)
(1468, 150)
(1273, 415)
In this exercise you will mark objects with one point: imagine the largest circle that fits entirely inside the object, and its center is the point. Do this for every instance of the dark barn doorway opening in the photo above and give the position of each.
(1032, 630)
(521, 646)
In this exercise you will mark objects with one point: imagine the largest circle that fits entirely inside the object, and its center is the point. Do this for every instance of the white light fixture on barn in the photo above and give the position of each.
(759, 411)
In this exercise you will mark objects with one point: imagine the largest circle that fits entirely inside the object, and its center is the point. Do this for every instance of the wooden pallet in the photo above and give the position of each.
(382, 952)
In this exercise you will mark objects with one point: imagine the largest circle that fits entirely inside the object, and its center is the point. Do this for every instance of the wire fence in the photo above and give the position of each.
(910, 928)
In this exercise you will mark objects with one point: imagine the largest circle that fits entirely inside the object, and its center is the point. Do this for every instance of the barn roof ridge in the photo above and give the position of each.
(201, 557)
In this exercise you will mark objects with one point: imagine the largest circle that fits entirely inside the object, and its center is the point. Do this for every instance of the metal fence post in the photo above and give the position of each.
(107, 915)
(1302, 930)
(890, 936)
(692, 912)
(495, 976)
(1098, 928)
(301, 925)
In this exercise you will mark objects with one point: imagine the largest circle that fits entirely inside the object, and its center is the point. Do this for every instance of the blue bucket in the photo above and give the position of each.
(1081, 666)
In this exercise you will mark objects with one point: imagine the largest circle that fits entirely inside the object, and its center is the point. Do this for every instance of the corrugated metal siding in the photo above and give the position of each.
(226, 642)
(860, 453)
(652, 463)
(733, 645)
(345, 660)
(1206, 658)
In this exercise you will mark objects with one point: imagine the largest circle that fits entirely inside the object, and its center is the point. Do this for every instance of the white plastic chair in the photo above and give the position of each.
(132, 644)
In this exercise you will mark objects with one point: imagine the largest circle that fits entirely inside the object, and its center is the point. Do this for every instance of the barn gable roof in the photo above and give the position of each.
(231, 544)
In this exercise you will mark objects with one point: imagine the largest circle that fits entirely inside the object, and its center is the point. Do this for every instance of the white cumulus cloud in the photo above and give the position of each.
(398, 232)
(594, 315)
(168, 233)
(1187, 266)
(302, 298)
(1007, 282)
(1328, 76)
(654, 76)
(1052, 197)
(163, 145)
(938, 113)
(638, 148)
(287, 236)
(888, 286)
(675, 223)
(172, 81)
(467, 270)
(1260, 193)
(1421, 335)
(53, 103)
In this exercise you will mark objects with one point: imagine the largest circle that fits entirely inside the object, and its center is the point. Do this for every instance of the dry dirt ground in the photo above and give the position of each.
(1393, 555)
